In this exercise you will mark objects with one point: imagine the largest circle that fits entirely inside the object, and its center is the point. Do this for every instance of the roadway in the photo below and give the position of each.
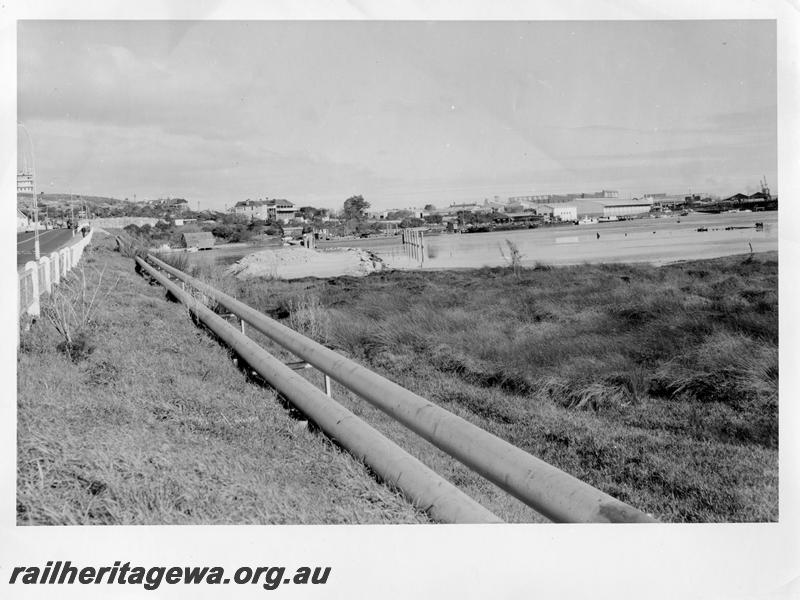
(50, 240)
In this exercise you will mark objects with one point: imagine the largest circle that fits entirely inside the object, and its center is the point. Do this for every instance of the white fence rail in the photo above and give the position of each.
(37, 278)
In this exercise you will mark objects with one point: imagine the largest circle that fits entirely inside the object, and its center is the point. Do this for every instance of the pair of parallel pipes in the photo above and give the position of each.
(555, 494)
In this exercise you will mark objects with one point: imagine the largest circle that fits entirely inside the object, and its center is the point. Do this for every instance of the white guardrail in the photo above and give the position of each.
(548, 490)
(37, 278)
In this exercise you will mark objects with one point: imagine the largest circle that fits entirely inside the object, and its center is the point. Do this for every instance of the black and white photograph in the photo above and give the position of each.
(335, 281)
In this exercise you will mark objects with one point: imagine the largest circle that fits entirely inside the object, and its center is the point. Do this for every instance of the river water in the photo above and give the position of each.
(657, 241)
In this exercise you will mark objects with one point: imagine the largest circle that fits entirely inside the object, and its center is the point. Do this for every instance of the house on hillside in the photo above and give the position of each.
(203, 240)
(280, 210)
(175, 204)
(255, 209)
(266, 210)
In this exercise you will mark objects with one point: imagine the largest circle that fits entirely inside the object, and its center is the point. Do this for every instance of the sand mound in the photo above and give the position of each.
(295, 262)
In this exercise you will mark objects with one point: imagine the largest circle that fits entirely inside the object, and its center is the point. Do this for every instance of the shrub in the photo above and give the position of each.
(70, 309)
(727, 368)
(178, 260)
(514, 257)
(131, 246)
(307, 316)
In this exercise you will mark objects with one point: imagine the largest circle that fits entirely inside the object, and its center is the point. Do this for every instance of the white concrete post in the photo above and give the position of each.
(44, 269)
(64, 261)
(56, 267)
(31, 268)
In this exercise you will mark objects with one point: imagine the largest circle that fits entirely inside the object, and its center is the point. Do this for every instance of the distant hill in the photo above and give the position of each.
(70, 200)
(60, 206)
(75, 197)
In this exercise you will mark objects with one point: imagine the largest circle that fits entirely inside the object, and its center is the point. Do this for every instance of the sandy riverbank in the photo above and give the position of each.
(296, 262)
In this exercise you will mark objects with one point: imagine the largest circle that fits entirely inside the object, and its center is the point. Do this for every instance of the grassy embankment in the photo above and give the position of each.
(657, 385)
(143, 419)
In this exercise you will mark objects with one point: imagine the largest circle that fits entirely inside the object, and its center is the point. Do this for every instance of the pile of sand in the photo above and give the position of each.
(294, 262)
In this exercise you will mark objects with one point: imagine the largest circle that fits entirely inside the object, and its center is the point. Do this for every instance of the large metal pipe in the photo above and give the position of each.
(555, 494)
(425, 488)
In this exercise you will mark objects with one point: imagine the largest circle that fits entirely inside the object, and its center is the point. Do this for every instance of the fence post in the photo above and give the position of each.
(32, 269)
(64, 261)
(56, 267)
(44, 269)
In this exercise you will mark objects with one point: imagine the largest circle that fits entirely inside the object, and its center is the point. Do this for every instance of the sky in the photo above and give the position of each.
(404, 113)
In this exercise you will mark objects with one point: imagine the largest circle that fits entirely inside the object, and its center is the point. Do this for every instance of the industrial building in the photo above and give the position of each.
(533, 199)
(558, 212)
(560, 198)
(665, 200)
(596, 207)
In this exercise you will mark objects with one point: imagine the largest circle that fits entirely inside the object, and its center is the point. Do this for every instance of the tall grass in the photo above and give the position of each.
(307, 316)
(179, 260)
(681, 360)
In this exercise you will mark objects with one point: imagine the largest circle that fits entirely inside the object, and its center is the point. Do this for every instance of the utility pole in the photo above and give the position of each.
(36, 251)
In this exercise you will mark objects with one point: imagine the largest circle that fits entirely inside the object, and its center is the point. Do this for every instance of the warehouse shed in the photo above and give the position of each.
(203, 240)
(611, 207)
(559, 212)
